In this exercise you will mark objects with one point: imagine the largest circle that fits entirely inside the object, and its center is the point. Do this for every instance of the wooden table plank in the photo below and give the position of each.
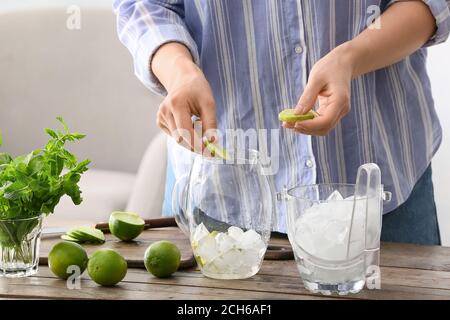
(397, 283)
(49, 287)
(415, 257)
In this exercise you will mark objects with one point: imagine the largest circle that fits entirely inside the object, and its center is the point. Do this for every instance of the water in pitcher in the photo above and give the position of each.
(228, 255)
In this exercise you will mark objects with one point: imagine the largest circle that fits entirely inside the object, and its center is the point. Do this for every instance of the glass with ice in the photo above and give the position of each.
(225, 207)
(334, 230)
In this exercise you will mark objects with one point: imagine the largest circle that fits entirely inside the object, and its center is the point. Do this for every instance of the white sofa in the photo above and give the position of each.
(86, 76)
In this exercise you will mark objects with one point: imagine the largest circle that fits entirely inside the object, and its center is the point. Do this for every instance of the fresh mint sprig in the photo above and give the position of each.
(33, 184)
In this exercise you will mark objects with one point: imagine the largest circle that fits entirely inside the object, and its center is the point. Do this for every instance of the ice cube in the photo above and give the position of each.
(225, 242)
(251, 258)
(199, 233)
(323, 230)
(250, 240)
(207, 249)
(229, 262)
(235, 232)
(335, 196)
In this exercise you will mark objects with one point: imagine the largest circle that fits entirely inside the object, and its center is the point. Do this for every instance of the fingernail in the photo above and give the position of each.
(210, 135)
(178, 139)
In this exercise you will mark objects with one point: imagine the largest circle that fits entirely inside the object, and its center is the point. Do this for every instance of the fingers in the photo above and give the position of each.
(208, 119)
(309, 97)
(162, 123)
(330, 114)
(185, 129)
(175, 117)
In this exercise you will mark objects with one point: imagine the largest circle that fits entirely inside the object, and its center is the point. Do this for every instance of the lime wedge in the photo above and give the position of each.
(126, 225)
(86, 234)
(288, 115)
(215, 150)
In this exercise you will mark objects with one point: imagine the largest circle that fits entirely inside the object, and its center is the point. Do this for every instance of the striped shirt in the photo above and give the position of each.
(257, 55)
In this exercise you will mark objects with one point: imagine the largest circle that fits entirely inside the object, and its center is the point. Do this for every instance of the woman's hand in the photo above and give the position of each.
(373, 49)
(189, 94)
(328, 83)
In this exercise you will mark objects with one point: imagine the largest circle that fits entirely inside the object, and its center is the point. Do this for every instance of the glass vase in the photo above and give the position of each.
(19, 246)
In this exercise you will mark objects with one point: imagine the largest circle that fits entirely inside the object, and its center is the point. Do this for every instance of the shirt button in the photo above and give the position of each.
(309, 163)
(298, 49)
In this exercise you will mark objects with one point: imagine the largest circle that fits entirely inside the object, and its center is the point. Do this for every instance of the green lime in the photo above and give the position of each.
(65, 254)
(106, 267)
(162, 258)
(288, 115)
(215, 150)
(126, 225)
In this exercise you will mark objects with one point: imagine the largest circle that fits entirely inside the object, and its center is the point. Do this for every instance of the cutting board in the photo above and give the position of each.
(133, 252)
(155, 230)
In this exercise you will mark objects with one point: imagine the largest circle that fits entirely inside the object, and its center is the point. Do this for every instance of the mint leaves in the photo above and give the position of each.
(34, 183)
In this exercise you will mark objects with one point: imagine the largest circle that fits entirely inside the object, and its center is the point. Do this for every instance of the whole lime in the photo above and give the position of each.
(107, 267)
(126, 225)
(67, 254)
(162, 258)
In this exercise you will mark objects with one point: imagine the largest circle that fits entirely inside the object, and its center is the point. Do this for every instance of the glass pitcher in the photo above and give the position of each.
(226, 207)
(335, 230)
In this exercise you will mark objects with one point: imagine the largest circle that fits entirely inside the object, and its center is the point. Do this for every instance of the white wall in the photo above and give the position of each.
(439, 69)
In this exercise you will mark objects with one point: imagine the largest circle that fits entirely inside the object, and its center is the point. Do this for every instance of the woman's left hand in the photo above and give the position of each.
(329, 83)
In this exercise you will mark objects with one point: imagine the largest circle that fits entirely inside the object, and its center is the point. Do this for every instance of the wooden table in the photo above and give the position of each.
(408, 272)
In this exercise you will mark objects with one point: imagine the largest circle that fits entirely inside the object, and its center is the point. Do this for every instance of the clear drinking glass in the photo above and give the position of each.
(19, 246)
(335, 230)
(319, 230)
(226, 208)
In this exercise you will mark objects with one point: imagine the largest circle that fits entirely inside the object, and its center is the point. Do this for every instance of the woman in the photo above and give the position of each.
(237, 64)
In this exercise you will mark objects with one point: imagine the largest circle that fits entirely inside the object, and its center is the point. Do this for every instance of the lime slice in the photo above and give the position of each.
(107, 267)
(69, 238)
(215, 150)
(288, 115)
(86, 234)
(126, 225)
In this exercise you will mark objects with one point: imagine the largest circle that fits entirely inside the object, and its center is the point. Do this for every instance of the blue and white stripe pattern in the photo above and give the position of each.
(257, 55)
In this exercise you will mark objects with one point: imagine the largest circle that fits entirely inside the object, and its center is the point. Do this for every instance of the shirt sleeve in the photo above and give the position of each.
(144, 26)
(441, 12)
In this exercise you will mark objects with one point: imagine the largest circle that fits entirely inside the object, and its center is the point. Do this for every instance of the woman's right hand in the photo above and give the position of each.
(189, 94)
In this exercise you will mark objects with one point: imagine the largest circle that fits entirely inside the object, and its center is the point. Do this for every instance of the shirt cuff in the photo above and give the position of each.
(149, 43)
(441, 12)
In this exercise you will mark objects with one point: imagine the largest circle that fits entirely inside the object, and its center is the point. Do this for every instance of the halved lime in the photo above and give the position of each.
(215, 150)
(86, 234)
(288, 115)
(126, 225)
